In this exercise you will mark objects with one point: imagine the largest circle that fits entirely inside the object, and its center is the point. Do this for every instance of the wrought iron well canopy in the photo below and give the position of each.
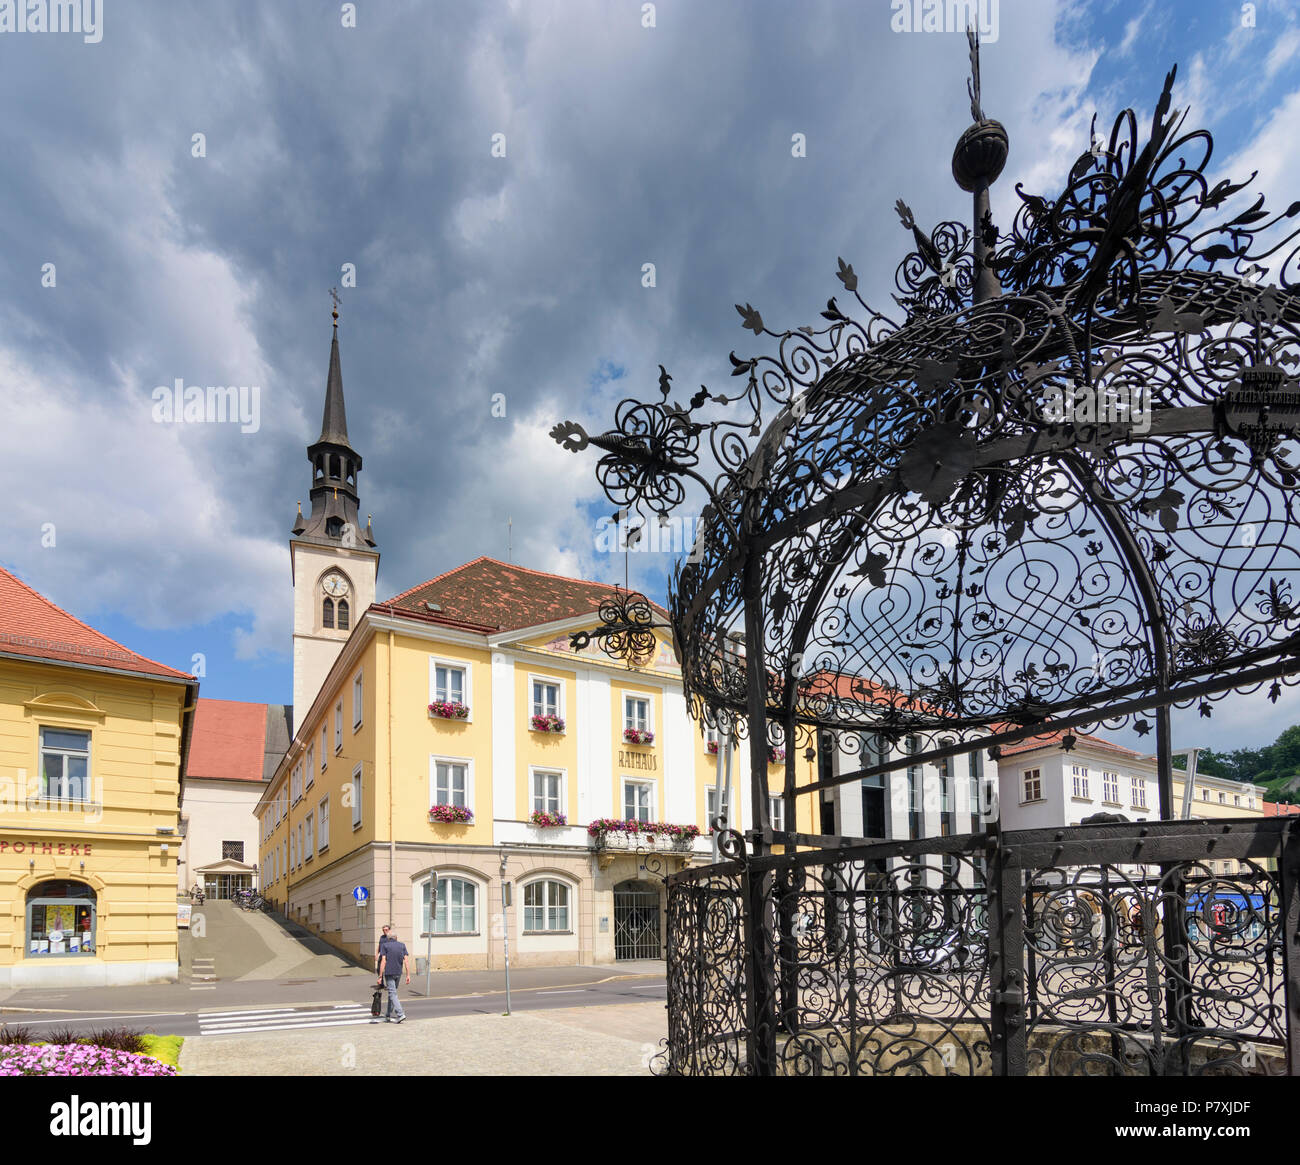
(1055, 490)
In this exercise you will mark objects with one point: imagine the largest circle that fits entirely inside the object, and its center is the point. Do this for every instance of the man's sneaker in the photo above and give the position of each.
(399, 1019)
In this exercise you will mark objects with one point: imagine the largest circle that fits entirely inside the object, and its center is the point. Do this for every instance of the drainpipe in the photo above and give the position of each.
(392, 843)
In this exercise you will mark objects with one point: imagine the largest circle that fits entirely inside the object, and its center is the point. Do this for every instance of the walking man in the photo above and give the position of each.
(393, 961)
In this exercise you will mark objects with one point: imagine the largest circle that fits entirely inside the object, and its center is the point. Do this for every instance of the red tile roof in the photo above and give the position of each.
(229, 740)
(1053, 739)
(1280, 809)
(33, 627)
(498, 596)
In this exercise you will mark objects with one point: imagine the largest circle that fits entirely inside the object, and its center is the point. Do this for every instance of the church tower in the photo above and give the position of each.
(333, 559)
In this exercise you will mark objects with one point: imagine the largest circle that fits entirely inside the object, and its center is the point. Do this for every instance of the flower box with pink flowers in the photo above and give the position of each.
(450, 814)
(638, 736)
(449, 710)
(547, 723)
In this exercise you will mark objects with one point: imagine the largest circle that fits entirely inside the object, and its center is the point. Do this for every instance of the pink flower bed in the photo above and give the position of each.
(77, 1060)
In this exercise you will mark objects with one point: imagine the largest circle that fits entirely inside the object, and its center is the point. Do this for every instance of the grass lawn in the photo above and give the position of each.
(164, 1048)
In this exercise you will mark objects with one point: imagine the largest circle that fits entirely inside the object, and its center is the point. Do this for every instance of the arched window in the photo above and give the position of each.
(320, 467)
(546, 907)
(343, 614)
(60, 919)
(327, 614)
(334, 527)
(457, 911)
(334, 466)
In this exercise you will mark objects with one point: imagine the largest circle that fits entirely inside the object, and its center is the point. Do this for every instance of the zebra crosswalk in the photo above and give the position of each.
(271, 1019)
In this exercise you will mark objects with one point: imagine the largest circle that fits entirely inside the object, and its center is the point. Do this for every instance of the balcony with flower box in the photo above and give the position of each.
(611, 836)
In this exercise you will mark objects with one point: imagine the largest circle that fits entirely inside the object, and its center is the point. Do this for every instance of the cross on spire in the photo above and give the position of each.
(334, 295)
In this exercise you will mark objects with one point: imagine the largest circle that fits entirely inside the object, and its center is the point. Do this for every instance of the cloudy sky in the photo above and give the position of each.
(628, 140)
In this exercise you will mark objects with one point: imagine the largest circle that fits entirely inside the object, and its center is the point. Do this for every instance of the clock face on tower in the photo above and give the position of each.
(335, 585)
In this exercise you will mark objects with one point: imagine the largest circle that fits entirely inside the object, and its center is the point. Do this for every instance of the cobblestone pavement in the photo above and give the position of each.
(615, 1040)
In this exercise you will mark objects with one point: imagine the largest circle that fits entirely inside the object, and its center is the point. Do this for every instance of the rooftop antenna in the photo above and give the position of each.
(510, 539)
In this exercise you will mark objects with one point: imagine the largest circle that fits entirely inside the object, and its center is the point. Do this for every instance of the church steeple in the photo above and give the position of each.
(334, 518)
(333, 559)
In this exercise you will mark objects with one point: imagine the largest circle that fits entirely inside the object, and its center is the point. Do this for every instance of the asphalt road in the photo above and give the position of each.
(312, 1016)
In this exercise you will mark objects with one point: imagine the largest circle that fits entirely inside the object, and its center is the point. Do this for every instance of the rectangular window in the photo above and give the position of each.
(776, 811)
(548, 792)
(1221, 800)
(295, 783)
(356, 798)
(292, 851)
(1033, 785)
(711, 805)
(636, 712)
(546, 698)
(310, 837)
(1110, 788)
(310, 769)
(1080, 778)
(65, 765)
(234, 850)
(356, 702)
(638, 800)
(1139, 792)
(301, 844)
(323, 824)
(338, 726)
(451, 783)
(449, 683)
(324, 752)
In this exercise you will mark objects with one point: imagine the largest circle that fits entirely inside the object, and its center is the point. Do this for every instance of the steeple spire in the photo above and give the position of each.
(335, 466)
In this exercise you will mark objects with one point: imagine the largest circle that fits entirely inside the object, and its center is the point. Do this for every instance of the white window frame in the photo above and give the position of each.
(649, 725)
(292, 844)
(1109, 787)
(1079, 774)
(559, 685)
(357, 789)
(711, 795)
(62, 795)
(1037, 778)
(535, 771)
(324, 744)
(435, 662)
(480, 897)
(301, 845)
(434, 760)
(548, 907)
(776, 811)
(310, 836)
(652, 785)
(338, 727)
(1138, 785)
(323, 824)
(358, 700)
(309, 766)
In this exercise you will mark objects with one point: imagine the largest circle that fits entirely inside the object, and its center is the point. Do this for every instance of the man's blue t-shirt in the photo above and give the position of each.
(394, 954)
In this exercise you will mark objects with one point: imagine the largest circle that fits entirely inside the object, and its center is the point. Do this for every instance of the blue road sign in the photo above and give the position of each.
(361, 894)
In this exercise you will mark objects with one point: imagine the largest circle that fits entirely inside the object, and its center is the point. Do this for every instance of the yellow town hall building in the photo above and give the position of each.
(445, 733)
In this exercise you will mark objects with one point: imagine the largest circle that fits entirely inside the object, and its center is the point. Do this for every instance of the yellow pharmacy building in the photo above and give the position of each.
(93, 741)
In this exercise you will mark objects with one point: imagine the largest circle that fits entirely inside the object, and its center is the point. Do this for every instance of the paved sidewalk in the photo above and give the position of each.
(615, 1040)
